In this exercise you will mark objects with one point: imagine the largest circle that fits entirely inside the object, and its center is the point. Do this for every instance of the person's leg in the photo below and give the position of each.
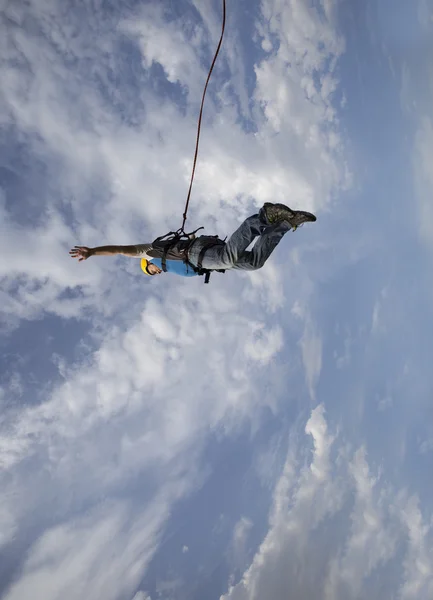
(270, 224)
(263, 248)
(225, 256)
(244, 235)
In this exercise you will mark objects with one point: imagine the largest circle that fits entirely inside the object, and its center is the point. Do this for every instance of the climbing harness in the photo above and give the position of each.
(173, 237)
(169, 240)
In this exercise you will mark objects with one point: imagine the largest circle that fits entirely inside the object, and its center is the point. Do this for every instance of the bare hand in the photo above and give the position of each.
(80, 252)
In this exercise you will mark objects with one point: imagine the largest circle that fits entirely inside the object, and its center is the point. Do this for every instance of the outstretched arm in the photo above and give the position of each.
(83, 252)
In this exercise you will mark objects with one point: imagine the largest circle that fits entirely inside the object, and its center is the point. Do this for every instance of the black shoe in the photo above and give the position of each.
(278, 213)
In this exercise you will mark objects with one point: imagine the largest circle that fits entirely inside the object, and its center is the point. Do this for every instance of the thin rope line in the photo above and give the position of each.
(200, 117)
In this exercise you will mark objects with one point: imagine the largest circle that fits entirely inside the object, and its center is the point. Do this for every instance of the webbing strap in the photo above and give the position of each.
(207, 272)
(173, 237)
(204, 250)
(176, 236)
(164, 258)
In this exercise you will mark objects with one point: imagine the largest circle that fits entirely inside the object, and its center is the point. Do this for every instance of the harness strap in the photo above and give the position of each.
(205, 249)
(176, 236)
(164, 257)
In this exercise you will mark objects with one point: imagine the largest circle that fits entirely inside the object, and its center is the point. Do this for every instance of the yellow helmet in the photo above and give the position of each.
(144, 263)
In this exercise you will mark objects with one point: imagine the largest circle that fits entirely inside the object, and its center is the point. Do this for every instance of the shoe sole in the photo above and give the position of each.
(309, 216)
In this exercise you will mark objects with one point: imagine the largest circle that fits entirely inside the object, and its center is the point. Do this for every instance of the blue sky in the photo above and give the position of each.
(269, 435)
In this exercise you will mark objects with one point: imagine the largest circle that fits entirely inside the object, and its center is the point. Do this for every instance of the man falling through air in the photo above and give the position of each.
(204, 254)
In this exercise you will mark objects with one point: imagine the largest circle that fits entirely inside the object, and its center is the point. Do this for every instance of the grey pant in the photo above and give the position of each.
(233, 254)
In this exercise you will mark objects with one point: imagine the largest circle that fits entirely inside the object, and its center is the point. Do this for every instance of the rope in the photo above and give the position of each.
(200, 117)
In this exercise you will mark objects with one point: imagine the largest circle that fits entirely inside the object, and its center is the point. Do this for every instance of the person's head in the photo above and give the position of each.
(149, 268)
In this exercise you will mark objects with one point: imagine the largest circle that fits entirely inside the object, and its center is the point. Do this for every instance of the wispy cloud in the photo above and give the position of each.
(335, 529)
(98, 113)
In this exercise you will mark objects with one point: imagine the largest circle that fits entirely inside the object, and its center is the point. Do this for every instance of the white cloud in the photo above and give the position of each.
(165, 42)
(416, 97)
(343, 359)
(417, 564)
(101, 555)
(262, 343)
(334, 526)
(301, 501)
(239, 543)
(385, 403)
(141, 596)
(267, 287)
(378, 321)
(426, 445)
(371, 542)
(8, 526)
(170, 362)
(131, 410)
(295, 105)
(311, 346)
(38, 270)
(241, 530)
(423, 158)
(129, 371)
(115, 170)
